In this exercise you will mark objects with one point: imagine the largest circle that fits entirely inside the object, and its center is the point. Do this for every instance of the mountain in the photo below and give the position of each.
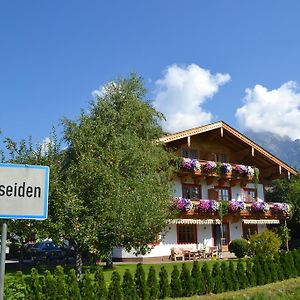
(281, 146)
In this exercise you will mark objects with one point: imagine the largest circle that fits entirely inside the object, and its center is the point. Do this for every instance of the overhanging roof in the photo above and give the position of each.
(224, 127)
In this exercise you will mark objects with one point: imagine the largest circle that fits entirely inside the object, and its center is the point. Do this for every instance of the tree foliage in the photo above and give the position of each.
(118, 173)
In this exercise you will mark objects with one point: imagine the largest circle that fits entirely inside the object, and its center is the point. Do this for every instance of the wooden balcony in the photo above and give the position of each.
(222, 172)
(233, 216)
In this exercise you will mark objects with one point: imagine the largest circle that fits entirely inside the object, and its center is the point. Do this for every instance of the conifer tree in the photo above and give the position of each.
(50, 289)
(293, 270)
(266, 269)
(73, 287)
(186, 281)
(175, 285)
(114, 289)
(250, 274)
(140, 283)
(227, 281)
(296, 254)
(152, 284)
(279, 268)
(197, 279)
(234, 279)
(259, 274)
(35, 285)
(285, 264)
(208, 282)
(60, 283)
(164, 287)
(87, 288)
(100, 289)
(272, 267)
(128, 287)
(240, 273)
(217, 278)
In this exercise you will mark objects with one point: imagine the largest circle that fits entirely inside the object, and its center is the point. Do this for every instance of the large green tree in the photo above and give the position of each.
(116, 171)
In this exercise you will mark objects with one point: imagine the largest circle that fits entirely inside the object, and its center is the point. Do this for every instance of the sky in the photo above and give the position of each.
(201, 61)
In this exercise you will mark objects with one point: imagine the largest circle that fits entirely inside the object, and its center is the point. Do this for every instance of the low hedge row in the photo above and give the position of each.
(223, 276)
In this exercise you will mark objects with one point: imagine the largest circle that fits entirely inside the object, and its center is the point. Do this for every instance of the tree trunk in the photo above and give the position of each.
(21, 257)
(109, 260)
(78, 263)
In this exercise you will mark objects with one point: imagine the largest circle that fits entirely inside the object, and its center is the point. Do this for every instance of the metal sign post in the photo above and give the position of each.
(3, 254)
(23, 195)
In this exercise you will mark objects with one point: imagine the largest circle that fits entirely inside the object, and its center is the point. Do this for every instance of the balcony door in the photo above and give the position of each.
(221, 238)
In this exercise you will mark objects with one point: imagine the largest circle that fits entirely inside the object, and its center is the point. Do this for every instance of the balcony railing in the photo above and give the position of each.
(225, 170)
(206, 206)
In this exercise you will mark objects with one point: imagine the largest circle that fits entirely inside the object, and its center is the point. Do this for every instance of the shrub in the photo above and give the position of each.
(259, 274)
(152, 283)
(226, 276)
(128, 286)
(164, 288)
(273, 269)
(50, 289)
(266, 269)
(60, 283)
(186, 281)
(87, 289)
(99, 285)
(197, 279)
(114, 289)
(234, 279)
(239, 247)
(140, 283)
(217, 278)
(266, 243)
(208, 281)
(175, 284)
(35, 285)
(241, 275)
(16, 289)
(250, 274)
(73, 288)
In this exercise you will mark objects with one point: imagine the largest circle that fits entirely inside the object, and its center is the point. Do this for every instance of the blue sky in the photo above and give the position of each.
(202, 61)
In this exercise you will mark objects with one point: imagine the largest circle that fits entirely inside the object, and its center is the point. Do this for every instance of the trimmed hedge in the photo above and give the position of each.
(198, 280)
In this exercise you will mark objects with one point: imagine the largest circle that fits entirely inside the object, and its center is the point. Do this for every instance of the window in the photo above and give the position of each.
(189, 153)
(249, 229)
(191, 191)
(186, 233)
(224, 193)
(220, 157)
(249, 195)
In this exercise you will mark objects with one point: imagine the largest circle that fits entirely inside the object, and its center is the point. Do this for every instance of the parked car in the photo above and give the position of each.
(46, 251)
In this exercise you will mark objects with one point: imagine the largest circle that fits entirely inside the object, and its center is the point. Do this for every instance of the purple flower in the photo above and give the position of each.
(258, 206)
(281, 207)
(236, 206)
(183, 204)
(187, 163)
(242, 169)
(209, 166)
(208, 206)
(226, 168)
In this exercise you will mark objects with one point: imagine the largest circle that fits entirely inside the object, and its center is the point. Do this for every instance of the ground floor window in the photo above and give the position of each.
(186, 233)
(249, 229)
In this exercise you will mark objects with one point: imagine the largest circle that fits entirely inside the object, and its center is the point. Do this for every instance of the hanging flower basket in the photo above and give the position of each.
(210, 167)
(183, 204)
(258, 206)
(236, 206)
(281, 207)
(208, 206)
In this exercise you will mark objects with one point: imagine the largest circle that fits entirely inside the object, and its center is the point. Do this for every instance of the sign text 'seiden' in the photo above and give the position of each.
(20, 190)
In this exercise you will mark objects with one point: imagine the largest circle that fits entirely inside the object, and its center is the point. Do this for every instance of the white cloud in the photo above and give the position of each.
(276, 111)
(181, 93)
(46, 144)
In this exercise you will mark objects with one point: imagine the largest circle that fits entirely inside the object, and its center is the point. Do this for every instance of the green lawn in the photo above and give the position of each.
(284, 290)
